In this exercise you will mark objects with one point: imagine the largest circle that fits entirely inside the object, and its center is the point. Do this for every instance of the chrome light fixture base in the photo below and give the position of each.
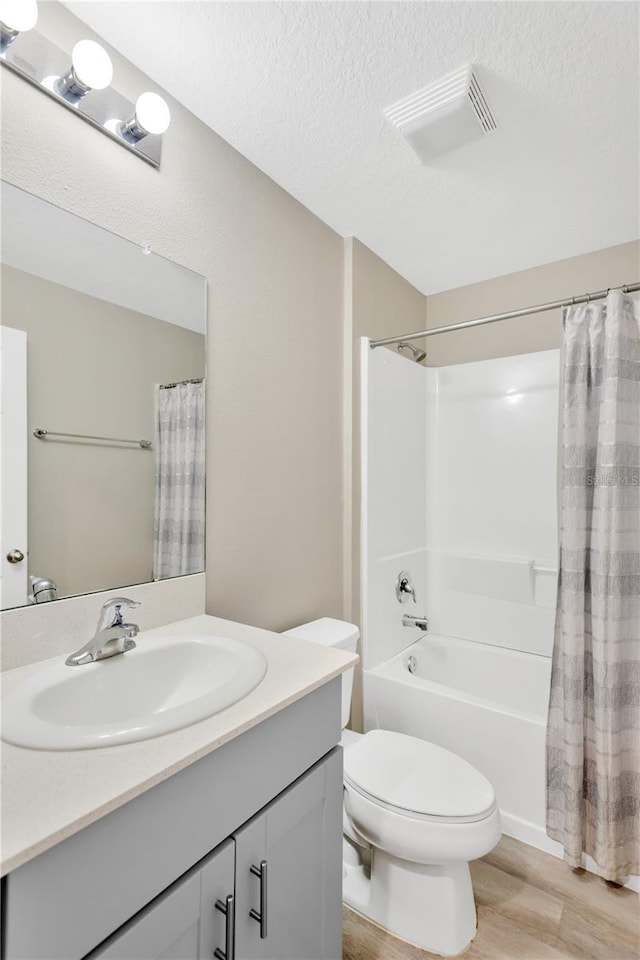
(7, 36)
(40, 62)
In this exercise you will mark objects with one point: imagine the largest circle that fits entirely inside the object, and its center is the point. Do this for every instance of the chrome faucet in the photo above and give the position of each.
(112, 636)
(421, 622)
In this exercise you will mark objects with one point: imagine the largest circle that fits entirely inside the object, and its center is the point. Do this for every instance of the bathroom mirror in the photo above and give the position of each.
(102, 359)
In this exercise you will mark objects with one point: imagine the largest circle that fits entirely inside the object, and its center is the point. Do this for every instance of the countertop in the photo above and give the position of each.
(50, 795)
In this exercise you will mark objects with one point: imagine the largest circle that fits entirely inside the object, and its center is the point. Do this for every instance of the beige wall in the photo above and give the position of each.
(92, 368)
(610, 267)
(378, 303)
(274, 414)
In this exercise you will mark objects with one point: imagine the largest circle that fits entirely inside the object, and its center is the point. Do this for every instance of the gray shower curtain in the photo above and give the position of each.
(593, 734)
(180, 481)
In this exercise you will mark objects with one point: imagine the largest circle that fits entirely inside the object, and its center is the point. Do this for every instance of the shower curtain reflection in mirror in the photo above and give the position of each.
(179, 522)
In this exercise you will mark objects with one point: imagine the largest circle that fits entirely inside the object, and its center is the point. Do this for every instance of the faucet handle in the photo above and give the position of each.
(111, 615)
(404, 588)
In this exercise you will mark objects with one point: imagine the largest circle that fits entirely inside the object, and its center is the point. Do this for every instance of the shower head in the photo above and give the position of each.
(418, 355)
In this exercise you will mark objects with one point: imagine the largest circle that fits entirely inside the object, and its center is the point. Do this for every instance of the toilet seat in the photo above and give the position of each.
(407, 775)
(415, 815)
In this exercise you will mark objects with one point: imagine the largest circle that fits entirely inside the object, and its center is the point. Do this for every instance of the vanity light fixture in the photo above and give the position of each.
(82, 85)
(16, 16)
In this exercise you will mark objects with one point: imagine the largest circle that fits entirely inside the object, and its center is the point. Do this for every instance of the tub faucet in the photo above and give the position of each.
(421, 622)
(112, 636)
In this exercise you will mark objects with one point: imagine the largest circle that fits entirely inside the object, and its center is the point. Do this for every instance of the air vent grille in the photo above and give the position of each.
(443, 116)
(480, 105)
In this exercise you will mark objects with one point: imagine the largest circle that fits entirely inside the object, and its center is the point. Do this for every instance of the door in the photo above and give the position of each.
(183, 923)
(13, 468)
(289, 872)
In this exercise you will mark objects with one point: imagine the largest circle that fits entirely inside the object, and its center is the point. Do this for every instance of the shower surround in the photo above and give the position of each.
(459, 468)
(459, 489)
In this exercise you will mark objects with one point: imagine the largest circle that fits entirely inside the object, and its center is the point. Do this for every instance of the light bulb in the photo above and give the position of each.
(152, 113)
(92, 65)
(17, 16)
(152, 116)
(91, 69)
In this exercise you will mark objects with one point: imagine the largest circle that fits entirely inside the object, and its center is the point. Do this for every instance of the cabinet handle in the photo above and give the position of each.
(229, 910)
(261, 917)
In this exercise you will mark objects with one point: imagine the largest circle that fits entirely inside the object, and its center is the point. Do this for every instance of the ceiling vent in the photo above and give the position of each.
(443, 116)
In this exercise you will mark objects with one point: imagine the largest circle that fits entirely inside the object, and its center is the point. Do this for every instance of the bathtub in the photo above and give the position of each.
(487, 704)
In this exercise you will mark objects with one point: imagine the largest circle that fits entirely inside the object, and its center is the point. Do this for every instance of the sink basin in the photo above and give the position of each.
(164, 684)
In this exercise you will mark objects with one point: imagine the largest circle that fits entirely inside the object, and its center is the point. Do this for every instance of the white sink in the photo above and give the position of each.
(164, 684)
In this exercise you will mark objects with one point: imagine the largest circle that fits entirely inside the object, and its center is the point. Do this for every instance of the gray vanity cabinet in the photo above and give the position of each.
(142, 882)
(283, 909)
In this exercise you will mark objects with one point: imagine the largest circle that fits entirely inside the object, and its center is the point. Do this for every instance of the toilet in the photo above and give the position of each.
(414, 816)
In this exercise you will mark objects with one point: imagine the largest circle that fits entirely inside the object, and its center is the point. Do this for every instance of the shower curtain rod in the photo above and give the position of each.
(179, 383)
(526, 312)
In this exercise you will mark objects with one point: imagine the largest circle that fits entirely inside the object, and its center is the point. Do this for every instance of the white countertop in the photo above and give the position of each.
(50, 795)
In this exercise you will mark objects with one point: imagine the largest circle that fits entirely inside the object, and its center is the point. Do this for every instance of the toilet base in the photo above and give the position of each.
(430, 906)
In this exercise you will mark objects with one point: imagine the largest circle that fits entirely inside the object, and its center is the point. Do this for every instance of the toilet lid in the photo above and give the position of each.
(417, 777)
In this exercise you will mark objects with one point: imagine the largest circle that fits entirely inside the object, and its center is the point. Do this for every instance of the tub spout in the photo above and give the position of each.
(421, 622)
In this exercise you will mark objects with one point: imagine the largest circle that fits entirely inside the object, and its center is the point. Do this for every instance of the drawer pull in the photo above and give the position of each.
(261, 917)
(229, 910)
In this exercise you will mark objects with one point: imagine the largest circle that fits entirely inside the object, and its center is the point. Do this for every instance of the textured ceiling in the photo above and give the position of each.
(299, 89)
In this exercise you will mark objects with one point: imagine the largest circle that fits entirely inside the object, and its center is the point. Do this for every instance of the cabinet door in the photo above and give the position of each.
(183, 922)
(298, 839)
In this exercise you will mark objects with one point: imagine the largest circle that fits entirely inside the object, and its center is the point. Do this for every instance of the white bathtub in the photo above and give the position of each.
(487, 704)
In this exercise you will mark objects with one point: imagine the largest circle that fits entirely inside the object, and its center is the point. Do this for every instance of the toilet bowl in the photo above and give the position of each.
(424, 813)
(414, 816)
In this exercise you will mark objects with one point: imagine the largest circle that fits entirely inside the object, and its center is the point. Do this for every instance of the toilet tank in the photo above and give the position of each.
(333, 633)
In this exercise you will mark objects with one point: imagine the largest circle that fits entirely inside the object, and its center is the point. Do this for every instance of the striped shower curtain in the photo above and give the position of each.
(593, 734)
(180, 480)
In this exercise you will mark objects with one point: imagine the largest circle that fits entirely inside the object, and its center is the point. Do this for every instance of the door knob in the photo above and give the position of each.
(15, 556)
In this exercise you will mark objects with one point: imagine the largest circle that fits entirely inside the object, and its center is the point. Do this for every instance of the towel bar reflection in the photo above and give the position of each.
(41, 434)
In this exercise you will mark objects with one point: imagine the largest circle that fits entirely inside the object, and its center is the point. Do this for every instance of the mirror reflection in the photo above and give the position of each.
(102, 408)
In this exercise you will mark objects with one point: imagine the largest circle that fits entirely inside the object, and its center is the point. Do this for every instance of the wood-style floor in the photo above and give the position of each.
(531, 906)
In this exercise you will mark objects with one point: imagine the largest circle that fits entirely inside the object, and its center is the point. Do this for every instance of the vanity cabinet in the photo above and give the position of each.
(142, 883)
(274, 879)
